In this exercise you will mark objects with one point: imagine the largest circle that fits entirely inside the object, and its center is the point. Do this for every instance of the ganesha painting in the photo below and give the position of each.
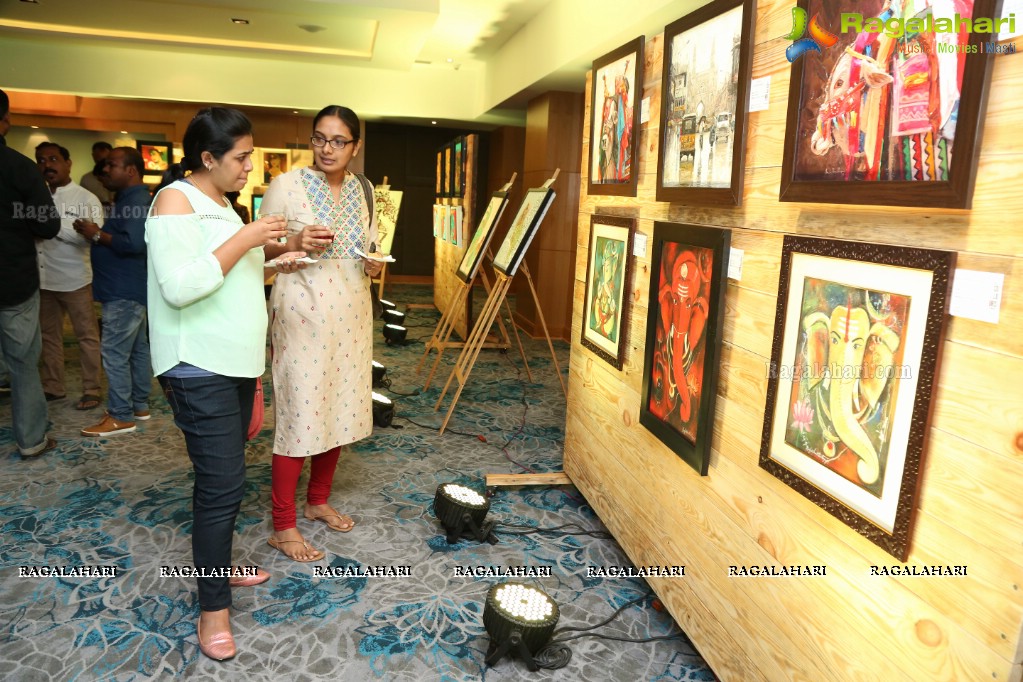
(846, 379)
(683, 295)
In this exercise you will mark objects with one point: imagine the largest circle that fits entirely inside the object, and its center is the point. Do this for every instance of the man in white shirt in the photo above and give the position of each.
(65, 276)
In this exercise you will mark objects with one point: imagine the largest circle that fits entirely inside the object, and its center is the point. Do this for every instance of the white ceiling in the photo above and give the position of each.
(453, 60)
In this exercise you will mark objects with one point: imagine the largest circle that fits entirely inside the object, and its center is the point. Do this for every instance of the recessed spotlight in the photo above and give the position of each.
(35, 127)
(124, 132)
(240, 21)
(295, 111)
(449, 60)
(31, 2)
(433, 122)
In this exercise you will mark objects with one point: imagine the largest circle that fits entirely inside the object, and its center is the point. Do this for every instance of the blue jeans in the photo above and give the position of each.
(21, 343)
(125, 351)
(213, 412)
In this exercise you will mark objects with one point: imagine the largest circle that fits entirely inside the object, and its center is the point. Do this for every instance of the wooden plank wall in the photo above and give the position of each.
(847, 625)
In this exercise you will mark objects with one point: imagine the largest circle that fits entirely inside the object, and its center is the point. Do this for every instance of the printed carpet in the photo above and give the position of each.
(125, 502)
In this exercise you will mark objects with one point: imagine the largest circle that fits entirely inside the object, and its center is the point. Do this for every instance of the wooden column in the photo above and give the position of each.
(553, 140)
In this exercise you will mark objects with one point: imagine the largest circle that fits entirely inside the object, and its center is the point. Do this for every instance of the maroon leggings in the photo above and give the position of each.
(284, 475)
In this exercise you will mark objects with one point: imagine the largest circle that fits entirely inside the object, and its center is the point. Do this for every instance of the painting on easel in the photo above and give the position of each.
(523, 229)
(481, 240)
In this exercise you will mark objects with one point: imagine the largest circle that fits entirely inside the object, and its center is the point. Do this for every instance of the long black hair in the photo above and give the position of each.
(213, 130)
(347, 116)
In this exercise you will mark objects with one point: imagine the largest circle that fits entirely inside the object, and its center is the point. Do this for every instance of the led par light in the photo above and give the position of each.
(378, 373)
(394, 333)
(383, 410)
(460, 509)
(387, 305)
(520, 619)
(394, 317)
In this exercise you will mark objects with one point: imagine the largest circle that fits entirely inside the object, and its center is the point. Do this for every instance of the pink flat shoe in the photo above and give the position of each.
(250, 580)
(220, 648)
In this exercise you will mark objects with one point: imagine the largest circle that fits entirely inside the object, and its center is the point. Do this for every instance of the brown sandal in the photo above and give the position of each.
(276, 544)
(346, 521)
(88, 402)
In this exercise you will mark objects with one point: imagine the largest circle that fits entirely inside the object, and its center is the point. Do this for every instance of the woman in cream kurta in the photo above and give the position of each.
(321, 330)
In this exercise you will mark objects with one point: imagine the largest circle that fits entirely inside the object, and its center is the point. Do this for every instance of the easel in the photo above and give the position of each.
(446, 325)
(474, 344)
(382, 277)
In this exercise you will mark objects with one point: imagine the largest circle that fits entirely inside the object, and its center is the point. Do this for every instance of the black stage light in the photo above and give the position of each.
(394, 317)
(460, 509)
(394, 333)
(383, 410)
(387, 305)
(520, 619)
(378, 373)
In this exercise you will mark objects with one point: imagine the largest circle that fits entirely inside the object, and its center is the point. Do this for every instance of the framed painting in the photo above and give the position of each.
(889, 110)
(606, 302)
(458, 181)
(857, 340)
(617, 88)
(156, 156)
(387, 203)
(439, 191)
(523, 229)
(705, 86)
(449, 170)
(689, 266)
(275, 162)
(257, 201)
(473, 255)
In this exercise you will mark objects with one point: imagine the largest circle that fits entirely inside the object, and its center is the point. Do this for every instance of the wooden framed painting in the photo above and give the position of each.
(857, 341)
(617, 88)
(884, 116)
(156, 156)
(458, 181)
(275, 162)
(689, 265)
(606, 302)
(480, 241)
(449, 170)
(439, 191)
(705, 86)
(523, 229)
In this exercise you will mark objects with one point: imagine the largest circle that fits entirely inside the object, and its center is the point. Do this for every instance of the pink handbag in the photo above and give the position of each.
(256, 423)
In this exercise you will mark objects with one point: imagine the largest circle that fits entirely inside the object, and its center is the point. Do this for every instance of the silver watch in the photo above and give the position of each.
(95, 237)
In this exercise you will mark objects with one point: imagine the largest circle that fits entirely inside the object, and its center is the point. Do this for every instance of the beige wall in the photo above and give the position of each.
(848, 625)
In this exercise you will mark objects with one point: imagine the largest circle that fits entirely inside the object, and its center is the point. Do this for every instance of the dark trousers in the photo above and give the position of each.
(213, 412)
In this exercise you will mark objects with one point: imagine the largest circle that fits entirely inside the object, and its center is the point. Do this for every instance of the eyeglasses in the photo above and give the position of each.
(336, 144)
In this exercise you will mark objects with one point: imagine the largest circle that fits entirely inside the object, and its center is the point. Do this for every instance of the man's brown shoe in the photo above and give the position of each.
(109, 427)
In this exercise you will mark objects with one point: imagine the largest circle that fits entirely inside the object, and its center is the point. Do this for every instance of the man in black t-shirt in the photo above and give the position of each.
(27, 213)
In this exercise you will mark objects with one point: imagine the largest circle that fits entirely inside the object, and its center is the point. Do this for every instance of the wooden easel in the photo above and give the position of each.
(474, 344)
(382, 277)
(441, 339)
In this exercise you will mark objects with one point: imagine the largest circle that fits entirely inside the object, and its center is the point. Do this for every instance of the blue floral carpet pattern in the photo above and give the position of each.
(125, 501)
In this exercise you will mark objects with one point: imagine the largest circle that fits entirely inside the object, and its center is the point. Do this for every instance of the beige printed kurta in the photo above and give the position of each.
(322, 321)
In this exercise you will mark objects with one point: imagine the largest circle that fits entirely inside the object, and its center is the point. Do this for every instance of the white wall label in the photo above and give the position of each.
(735, 264)
(760, 94)
(977, 295)
(639, 245)
(644, 110)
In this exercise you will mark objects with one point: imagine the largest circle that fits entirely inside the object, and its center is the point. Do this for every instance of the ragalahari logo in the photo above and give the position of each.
(819, 36)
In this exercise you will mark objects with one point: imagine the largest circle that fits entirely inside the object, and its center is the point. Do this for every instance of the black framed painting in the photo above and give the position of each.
(523, 229)
(857, 342)
(473, 255)
(705, 85)
(606, 303)
(689, 266)
(439, 190)
(156, 156)
(886, 108)
(617, 87)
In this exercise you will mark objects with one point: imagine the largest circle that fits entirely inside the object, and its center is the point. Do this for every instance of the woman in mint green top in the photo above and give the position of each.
(207, 329)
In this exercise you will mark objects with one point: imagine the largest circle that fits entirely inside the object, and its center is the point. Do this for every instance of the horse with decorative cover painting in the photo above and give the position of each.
(890, 102)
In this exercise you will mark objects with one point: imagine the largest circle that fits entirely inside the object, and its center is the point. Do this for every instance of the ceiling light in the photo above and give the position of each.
(240, 21)
(124, 132)
(295, 111)
(433, 122)
(34, 127)
(31, 2)
(449, 60)
(460, 510)
(519, 619)
(312, 28)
